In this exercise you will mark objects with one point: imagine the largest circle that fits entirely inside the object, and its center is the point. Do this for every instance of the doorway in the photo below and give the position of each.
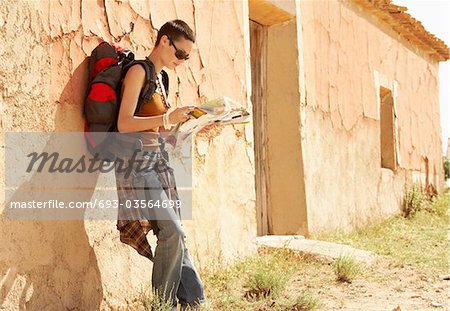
(279, 177)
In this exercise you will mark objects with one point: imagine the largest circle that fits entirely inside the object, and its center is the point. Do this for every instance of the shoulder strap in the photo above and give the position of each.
(165, 80)
(150, 81)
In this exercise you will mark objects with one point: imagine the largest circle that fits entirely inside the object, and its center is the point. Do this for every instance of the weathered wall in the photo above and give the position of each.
(342, 48)
(82, 264)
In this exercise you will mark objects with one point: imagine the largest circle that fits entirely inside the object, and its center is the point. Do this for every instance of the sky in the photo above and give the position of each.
(435, 17)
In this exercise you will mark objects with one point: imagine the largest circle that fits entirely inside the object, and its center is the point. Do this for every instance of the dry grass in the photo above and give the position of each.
(420, 240)
(257, 283)
(305, 301)
(283, 280)
(346, 269)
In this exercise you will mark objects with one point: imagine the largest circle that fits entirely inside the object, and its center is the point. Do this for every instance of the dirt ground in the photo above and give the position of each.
(381, 286)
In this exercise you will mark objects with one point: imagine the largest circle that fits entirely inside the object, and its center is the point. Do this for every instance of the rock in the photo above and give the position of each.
(436, 304)
(397, 309)
(445, 277)
(425, 278)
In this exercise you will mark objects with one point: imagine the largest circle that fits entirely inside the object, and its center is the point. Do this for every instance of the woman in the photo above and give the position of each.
(174, 275)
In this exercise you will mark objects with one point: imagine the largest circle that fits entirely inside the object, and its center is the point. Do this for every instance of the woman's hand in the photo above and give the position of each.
(180, 114)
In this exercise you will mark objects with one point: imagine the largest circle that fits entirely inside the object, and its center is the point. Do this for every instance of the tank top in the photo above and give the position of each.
(154, 107)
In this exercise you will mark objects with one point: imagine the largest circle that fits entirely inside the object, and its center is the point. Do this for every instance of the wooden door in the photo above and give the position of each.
(258, 55)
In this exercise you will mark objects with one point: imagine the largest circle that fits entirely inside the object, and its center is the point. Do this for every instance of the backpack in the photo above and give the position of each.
(108, 66)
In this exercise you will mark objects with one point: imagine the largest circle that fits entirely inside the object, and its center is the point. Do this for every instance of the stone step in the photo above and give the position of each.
(320, 248)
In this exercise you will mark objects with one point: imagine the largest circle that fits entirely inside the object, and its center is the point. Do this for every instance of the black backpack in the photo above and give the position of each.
(108, 66)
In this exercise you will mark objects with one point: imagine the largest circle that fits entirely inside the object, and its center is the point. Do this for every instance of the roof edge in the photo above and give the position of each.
(407, 27)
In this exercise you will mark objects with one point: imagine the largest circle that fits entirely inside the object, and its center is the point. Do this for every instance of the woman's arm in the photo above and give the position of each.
(127, 121)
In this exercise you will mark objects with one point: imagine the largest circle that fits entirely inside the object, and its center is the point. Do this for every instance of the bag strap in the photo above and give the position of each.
(165, 80)
(149, 85)
(150, 82)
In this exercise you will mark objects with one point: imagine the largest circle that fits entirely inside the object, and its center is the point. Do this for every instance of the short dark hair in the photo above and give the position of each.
(175, 29)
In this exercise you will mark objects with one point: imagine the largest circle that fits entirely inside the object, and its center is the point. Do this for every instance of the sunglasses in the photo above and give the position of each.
(180, 54)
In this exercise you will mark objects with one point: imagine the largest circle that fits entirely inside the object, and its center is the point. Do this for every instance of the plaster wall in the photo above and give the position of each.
(82, 264)
(347, 55)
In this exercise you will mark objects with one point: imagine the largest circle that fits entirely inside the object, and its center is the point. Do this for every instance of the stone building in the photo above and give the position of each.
(345, 107)
(363, 76)
(448, 148)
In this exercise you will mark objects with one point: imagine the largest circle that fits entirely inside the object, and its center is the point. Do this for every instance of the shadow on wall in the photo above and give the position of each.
(49, 264)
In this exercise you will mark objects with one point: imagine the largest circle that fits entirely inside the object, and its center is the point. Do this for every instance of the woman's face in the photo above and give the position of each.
(170, 53)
